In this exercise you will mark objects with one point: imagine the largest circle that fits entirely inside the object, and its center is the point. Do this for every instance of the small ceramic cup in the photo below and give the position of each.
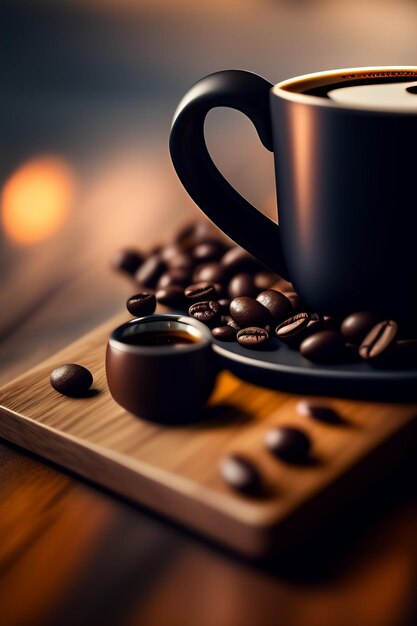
(162, 383)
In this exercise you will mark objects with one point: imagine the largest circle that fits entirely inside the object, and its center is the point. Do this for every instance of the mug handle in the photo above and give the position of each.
(242, 222)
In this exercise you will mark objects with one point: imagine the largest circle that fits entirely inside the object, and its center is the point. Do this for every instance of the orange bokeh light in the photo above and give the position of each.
(36, 199)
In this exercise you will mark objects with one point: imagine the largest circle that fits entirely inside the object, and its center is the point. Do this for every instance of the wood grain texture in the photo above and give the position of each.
(175, 471)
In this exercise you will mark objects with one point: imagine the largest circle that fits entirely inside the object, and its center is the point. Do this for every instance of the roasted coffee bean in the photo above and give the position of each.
(265, 280)
(243, 285)
(317, 411)
(231, 322)
(150, 271)
(287, 443)
(224, 305)
(172, 296)
(252, 337)
(177, 277)
(293, 329)
(192, 234)
(294, 298)
(127, 261)
(356, 326)
(224, 333)
(207, 312)
(277, 304)
(182, 262)
(249, 312)
(169, 252)
(200, 292)
(237, 261)
(325, 346)
(240, 474)
(208, 251)
(71, 379)
(142, 303)
(378, 341)
(209, 272)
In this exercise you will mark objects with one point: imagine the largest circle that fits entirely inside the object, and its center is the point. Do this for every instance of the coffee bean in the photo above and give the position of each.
(294, 298)
(224, 305)
(127, 261)
(150, 271)
(200, 292)
(177, 277)
(71, 379)
(277, 304)
(249, 312)
(252, 337)
(181, 262)
(319, 412)
(237, 261)
(224, 333)
(208, 251)
(325, 346)
(209, 272)
(356, 326)
(172, 296)
(192, 234)
(294, 329)
(378, 340)
(207, 312)
(287, 443)
(243, 285)
(169, 252)
(265, 280)
(240, 474)
(142, 303)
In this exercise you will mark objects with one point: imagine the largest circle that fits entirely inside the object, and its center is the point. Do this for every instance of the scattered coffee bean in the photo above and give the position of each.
(325, 346)
(71, 379)
(172, 296)
(224, 333)
(243, 285)
(208, 251)
(277, 304)
(252, 337)
(379, 340)
(207, 312)
(178, 277)
(356, 326)
(287, 443)
(293, 330)
(127, 261)
(182, 262)
(209, 272)
(170, 252)
(240, 474)
(294, 298)
(193, 234)
(265, 280)
(249, 312)
(200, 292)
(150, 271)
(319, 412)
(142, 303)
(237, 260)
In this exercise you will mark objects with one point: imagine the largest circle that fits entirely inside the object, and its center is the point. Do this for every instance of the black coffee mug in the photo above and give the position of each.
(347, 233)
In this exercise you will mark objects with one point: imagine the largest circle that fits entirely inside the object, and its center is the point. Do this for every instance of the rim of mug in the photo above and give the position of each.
(285, 89)
(168, 320)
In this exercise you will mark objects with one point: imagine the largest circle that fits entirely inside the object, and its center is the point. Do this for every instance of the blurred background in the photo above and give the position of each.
(88, 90)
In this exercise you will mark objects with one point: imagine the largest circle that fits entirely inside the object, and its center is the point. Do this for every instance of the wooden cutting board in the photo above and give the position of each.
(175, 471)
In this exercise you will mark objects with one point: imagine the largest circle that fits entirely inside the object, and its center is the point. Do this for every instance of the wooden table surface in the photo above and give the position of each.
(72, 554)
